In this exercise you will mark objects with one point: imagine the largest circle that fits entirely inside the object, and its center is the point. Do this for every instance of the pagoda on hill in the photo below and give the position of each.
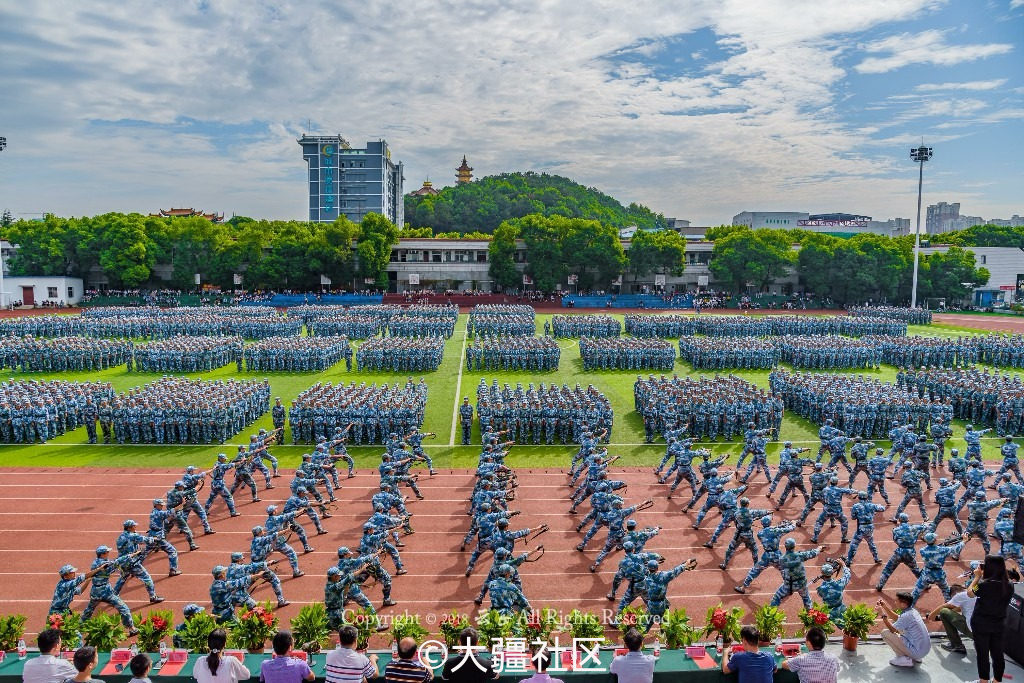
(464, 173)
(190, 213)
(426, 190)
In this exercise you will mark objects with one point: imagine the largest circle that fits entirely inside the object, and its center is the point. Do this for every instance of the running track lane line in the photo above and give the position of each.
(458, 387)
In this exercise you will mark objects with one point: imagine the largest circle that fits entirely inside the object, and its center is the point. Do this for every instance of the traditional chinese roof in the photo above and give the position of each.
(464, 173)
(189, 213)
(427, 189)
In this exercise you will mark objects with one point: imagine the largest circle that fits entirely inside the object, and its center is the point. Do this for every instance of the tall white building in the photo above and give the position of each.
(756, 220)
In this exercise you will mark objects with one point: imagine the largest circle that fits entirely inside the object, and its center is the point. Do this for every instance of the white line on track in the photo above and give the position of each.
(458, 388)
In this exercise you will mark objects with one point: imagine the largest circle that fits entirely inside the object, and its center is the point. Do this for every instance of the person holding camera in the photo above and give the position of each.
(907, 636)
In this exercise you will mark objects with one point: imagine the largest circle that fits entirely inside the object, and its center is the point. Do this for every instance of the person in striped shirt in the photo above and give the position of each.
(407, 669)
(345, 665)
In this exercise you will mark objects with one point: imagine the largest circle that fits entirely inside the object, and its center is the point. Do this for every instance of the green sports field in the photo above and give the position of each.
(447, 385)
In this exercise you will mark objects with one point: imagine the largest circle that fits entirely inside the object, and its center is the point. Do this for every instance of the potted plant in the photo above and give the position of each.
(585, 626)
(365, 621)
(153, 629)
(69, 624)
(857, 621)
(253, 627)
(407, 626)
(195, 632)
(310, 628)
(492, 625)
(769, 620)
(103, 631)
(817, 615)
(724, 623)
(537, 626)
(451, 626)
(633, 616)
(676, 628)
(12, 629)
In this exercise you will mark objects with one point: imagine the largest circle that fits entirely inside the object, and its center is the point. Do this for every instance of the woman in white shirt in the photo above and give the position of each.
(216, 669)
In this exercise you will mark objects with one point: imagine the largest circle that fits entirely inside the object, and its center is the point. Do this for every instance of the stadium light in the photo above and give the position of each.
(919, 155)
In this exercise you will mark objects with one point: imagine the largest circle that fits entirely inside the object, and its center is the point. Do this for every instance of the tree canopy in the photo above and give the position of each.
(484, 204)
(660, 251)
(751, 256)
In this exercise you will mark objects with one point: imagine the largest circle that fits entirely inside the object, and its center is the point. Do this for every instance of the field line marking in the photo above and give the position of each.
(458, 387)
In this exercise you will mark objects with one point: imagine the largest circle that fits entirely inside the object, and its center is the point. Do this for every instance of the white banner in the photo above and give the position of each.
(659, 280)
(198, 279)
(324, 280)
(238, 278)
(527, 280)
(573, 278)
(702, 280)
(414, 278)
(369, 280)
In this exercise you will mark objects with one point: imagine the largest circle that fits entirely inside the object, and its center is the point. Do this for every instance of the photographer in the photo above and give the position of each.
(907, 636)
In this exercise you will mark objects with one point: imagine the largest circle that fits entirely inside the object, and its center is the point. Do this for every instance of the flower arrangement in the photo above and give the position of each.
(103, 631)
(537, 625)
(451, 626)
(769, 621)
(365, 621)
(491, 625)
(253, 626)
(195, 632)
(858, 620)
(154, 628)
(584, 625)
(676, 627)
(407, 626)
(634, 616)
(12, 628)
(725, 623)
(69, 624)
(818, 616)
(310, 627)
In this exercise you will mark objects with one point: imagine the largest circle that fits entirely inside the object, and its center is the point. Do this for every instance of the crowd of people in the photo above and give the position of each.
(368, 413)
(345, 325)
(542, 414)
(297, 354)
(412, 325)
(34, 410)
(33, 354)
(917, 351)
(912, 316)
(401, 354)
(186, 354)
(502, 319)
(626, 353)
(995, 399)
(519, 352)
(819, 352)
(742, 353)
(705, 408)
(564, 326)
(673, 325)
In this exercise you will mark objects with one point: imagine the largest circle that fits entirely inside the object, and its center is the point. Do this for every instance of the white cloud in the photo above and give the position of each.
(1014, 4)
(927, 47)
(968, 85)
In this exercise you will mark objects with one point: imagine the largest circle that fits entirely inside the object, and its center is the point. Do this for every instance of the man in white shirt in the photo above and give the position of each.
(907, 636)
(955, 616)
(634, 666)
(345, 665)
(48, 667)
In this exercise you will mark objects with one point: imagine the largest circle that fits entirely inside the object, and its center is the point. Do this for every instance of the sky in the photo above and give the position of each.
(697, 109)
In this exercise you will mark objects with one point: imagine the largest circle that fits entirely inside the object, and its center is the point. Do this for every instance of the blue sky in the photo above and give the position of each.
(699, 109)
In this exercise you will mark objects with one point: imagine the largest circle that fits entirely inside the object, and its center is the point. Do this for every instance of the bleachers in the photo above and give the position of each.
(287, 300)
(627, 301)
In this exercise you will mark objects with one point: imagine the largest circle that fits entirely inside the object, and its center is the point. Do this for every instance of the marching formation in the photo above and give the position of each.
(29, 354)
(34, 410)
(370, 412)
(401, 354)
(626, 354)
(583, 326)
(186, 354)
(744, 353)
(489, 352)
(534, 414)
(291, 354)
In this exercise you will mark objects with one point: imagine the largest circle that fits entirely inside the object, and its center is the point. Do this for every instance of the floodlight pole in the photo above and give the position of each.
(920, 155)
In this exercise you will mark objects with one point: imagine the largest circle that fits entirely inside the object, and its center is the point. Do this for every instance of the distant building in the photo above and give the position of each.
(757, 220)
(1015, 222)
(464, 173)
(894, 227)
(941, 217)
(677, 224)
(34, 290)
(343, 181)
(428, 189)
(1006, 274)
(190, 213)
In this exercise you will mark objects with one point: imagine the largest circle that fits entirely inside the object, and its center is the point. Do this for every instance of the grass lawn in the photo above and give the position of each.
(447, 385)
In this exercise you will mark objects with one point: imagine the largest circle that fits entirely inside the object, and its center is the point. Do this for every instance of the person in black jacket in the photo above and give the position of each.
(991, 585)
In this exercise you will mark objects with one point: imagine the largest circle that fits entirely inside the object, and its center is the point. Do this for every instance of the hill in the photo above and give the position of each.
(483, 204)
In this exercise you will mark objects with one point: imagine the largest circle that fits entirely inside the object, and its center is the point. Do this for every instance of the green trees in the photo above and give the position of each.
(486, 203)
(751, 256)
(376, 237)
(941, 275)
(501, 256)
(986, 236)
(661, 251)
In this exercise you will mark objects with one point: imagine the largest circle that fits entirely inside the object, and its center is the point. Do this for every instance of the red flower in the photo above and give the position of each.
(820, 618)
(718, 619)
(360, 618)
(56, 621)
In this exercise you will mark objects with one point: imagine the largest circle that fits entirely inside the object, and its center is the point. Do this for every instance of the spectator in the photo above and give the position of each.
(908, 635)
(477, 670)
(816, 666)
(955, 616)
(140, 665)
(992, 587)
(48, 667)
(216, 669)
(752, 665)
(345, 665)
(407, 669)
(85, 661)
(634, 666)
(284, 668)
(541, 661)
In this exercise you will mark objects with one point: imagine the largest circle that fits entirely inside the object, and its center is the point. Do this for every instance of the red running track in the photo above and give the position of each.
(49, 517)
